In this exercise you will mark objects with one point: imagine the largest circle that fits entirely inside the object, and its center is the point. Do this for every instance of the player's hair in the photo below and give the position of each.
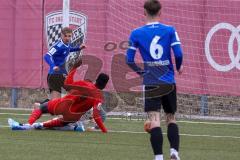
(66, 30)
(152, 7)
(102, 81)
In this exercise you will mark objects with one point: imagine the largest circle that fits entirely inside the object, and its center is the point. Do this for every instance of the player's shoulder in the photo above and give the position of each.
(138, 29)
(59, 44)
(167, 27)
(137, 32)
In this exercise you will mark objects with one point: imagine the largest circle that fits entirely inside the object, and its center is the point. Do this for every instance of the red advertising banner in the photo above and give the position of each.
(208, 30)
(21, 43)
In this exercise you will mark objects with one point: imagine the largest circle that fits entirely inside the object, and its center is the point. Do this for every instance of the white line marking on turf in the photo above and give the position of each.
(15, 114)
(20, 114)
(217, 123)
(191, 122)
(199, 135)
(231, 124)
(188, 135)
(17, 109)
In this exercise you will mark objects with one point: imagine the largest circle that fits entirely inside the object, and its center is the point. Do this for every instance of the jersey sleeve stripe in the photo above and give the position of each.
(175, 43)
(133, 48)
(49, 54)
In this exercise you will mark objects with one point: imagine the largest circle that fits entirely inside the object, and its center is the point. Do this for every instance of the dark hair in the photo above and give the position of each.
(66, 30)
(152, 7)
(102, 81)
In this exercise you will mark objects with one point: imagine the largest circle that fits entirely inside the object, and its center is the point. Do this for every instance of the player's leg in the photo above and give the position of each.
(55, 84)
(14, 125)
(56, 122)
(169, 103)
(38, 110)
(78, 126)
(152, 105)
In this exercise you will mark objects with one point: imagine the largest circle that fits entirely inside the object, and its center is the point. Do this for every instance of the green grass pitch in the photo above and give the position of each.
(199, 141)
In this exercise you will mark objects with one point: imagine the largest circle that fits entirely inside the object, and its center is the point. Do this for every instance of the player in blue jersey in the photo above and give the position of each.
(155, 41)
(56, 58)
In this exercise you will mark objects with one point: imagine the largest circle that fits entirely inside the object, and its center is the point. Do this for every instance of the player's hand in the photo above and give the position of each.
(56, 68)
(180, 70)
(83, 46)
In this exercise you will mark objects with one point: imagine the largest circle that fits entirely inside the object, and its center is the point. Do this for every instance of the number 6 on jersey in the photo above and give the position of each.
(156, 50)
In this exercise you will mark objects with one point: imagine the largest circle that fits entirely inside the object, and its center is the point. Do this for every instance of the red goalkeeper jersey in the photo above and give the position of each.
(82, 96)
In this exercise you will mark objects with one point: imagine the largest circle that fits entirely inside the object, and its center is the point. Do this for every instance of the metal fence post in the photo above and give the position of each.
(14, 97)
(204, 105)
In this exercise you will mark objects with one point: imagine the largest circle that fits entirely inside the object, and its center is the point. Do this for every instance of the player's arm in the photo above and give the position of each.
(97, 117)
(74, 49)
(49, 59)
(130, 55)
(69, 80)
(177, 50)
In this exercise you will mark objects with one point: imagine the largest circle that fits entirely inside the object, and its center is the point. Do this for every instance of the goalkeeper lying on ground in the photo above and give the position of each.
(86, 123)
(82, 96)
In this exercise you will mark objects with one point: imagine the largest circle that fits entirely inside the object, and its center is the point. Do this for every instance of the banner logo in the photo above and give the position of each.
(235, 34)
(77, 21)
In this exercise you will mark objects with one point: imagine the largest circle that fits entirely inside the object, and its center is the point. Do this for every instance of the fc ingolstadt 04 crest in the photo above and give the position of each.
(77, 21)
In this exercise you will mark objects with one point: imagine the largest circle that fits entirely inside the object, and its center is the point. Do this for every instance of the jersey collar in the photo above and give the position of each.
(64, 43)
(152, 23)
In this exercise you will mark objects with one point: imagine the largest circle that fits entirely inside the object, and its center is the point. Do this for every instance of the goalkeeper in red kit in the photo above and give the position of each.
(82, 96)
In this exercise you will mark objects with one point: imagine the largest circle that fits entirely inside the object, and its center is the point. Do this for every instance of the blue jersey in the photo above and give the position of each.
(154, 42)
(57, 55)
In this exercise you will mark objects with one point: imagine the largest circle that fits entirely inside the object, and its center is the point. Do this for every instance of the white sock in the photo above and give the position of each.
(173, 151)
(159, 157)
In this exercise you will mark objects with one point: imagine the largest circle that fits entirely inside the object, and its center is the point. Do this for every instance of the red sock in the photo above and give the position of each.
(53, 123)
(36, 114)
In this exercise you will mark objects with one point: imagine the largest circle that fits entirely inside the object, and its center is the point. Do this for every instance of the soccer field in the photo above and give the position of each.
(200, 140)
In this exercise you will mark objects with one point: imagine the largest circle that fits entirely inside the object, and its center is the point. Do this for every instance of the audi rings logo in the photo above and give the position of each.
(234, 59)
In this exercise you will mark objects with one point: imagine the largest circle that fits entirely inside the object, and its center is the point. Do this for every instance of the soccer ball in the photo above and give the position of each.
(147, 126)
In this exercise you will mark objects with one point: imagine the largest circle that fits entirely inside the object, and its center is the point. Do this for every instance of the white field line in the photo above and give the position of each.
(189, 122)
(17, 109)
(19, 114)
(187, 135)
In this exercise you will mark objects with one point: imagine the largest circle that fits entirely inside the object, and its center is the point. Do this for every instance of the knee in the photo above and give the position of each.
(36, 105)
(155, 124)
(149, 125)
(170, 118)
(154, 119)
